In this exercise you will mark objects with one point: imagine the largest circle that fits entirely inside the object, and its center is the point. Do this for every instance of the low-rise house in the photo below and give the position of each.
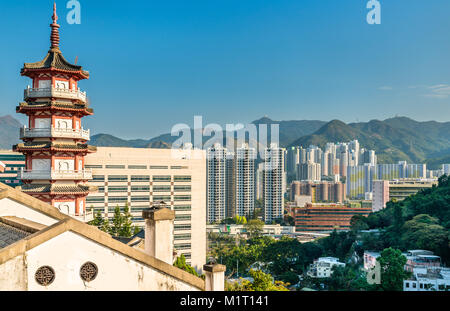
(421, 259)
(322, 267)
(428, 279)
(370, 259)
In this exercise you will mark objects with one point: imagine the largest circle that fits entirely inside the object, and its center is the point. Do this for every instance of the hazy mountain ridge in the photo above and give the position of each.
(394, 139)
(9, 132)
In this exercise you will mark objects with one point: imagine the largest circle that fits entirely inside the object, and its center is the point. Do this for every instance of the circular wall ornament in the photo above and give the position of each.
(88, 271)
(44, 275)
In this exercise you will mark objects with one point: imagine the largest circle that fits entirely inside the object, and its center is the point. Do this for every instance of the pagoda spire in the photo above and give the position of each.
(54, 37)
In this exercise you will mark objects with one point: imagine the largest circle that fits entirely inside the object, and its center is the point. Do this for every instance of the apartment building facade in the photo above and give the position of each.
(140, 177)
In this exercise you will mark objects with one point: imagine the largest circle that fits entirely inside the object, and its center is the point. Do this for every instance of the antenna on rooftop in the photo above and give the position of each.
(76, 60)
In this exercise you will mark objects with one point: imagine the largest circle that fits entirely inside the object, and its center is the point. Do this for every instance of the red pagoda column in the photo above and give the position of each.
(54, 142)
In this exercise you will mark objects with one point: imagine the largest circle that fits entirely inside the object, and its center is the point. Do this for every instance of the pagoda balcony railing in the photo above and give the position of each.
(88, 216)
(55, 92)
(54, 132)
(55, 175)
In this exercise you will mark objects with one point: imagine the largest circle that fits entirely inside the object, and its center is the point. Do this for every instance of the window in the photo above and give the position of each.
(117, 189)
(182, 217)
(182, 237)
(98, 178)
(117, 178)
(182, 198)
(137, 167)
(161, 188)
(93, 166)
(156, 167)
(140, 178)
(186, 188)
(182, 178)
(183, 246)
(140, 188)
(179, 167)
(140, 199)
(95, 199)
(182, 207)
(88, 271)
(159, 198)
(117, 199)
(182, 227)
(44, 275)
(161, 178)
(115, 166)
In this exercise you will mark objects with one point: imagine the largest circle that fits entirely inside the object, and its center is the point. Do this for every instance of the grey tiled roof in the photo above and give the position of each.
(10, 235)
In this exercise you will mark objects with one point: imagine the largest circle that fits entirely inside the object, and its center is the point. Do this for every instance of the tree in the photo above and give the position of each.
(126, 229)
(261, 282)
(254, 227)
(122, 224)
(289, 277)
(180, 262)
(100, 222)
(392, 264)
(358, 222)
(424, 232)
(240, 220)
(117, 222)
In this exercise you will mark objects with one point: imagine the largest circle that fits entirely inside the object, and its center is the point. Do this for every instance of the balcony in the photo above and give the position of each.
(54, 132)
(55, 92)
(88, 216)
(54, 175)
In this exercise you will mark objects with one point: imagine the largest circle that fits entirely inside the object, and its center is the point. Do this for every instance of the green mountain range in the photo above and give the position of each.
(393, 139)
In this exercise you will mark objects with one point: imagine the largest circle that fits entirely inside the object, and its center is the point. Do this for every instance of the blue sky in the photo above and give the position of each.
(157, 63)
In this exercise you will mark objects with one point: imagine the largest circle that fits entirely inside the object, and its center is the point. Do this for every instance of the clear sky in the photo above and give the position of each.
(155, 63)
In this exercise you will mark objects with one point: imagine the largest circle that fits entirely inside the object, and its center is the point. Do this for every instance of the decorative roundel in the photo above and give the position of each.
(45, 275)
(88, 271)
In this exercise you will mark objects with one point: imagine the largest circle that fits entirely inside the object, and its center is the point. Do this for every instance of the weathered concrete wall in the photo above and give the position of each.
(67, 252)
(13, 274)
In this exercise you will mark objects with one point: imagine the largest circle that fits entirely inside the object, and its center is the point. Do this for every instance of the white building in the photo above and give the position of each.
(428, 279)
(322, 267)
(42, 249)
(273, 183)
(245, 181)
(141, 177)
(216, 183)
(446, 168)
(380, 195)
(370, 260)
(241, 229)
(359, 180)
(309, 171)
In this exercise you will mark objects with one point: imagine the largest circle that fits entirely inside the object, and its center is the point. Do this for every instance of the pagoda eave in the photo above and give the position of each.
(31, 73)
(29, 109)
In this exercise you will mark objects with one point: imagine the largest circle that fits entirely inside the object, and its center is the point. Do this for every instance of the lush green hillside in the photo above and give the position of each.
(393, 139)
(421, 221)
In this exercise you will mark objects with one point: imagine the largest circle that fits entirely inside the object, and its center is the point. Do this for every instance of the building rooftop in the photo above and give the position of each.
(10, 235)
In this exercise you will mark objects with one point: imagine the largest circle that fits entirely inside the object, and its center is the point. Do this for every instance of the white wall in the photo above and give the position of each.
(9, 207)
(67, 252)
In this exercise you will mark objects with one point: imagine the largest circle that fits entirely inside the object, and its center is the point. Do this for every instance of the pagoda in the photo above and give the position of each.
(54, 142)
